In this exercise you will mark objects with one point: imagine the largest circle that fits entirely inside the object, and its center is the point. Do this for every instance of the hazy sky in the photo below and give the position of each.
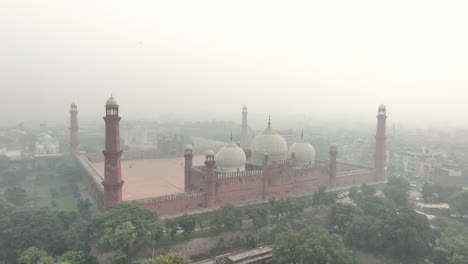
(337, 58)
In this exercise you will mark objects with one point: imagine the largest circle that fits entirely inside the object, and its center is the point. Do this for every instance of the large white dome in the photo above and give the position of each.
(268, 142)
(230, 158)
(304, 152)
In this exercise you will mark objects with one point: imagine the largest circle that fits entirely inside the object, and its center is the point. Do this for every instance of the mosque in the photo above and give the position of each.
(238, 173)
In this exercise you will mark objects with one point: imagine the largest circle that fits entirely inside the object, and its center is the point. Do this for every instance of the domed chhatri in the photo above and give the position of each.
(112, 102)
(230, 158)
(304, 152)
(382, 109)
(270, 142)
(188, 147)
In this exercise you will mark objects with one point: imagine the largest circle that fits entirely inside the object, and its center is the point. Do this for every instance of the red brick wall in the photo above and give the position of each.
(238, 189)
(308, 181)
(343, 167)
(355, 179)
(197, 179)
(284, 181)
(171, 207)
(280, 181)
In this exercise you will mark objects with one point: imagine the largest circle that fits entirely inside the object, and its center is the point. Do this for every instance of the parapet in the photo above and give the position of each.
(239, 174)
(178, 196)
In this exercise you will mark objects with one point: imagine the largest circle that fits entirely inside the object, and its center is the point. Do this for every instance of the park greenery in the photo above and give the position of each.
(55, 187)
(309, 229)
(437, 193)
(170, 258)
(312, 244)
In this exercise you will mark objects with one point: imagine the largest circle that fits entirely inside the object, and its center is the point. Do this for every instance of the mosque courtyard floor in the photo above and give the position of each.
(152, 177)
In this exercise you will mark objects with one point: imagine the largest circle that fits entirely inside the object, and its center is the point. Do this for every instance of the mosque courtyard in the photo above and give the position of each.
(152, 177)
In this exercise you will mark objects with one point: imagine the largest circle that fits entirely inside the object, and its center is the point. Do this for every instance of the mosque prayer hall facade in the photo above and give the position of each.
(237, 174)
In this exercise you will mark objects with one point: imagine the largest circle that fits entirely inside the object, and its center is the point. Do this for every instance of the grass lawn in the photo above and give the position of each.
(40, 187)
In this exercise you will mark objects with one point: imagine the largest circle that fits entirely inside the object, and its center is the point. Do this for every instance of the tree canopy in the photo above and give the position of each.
(399, 234)
(228, 216)
(397, 190)
(312, 245)
(459, 203)
(170, 258)
(117, 229)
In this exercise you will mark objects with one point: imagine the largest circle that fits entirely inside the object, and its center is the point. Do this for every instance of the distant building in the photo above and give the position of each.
(171, 145)
(422, 164)
(45, 144)
(449, 177)
(135, 135)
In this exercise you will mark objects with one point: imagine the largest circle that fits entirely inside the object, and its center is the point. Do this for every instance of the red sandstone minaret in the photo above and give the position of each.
(74, 138)
(210, 181)
(244, 134)
(112, 172)
(265, 172)
(333, 153)
(380, 138)
(188, 155)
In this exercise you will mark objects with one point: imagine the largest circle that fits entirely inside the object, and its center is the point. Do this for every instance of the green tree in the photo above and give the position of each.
(452, 241)
(368, 190)
(119, 228)
(278, 229)
(72, 257)
(33, 255)
(295, 207)
(77, 235)
(228, 216)
(277, 207)
(83, 207)
(372, 205)
(436, 193)
(363, 233)
(28, 228)
(403, 235)
(406, 235)
(397, 190)
(170, 258)
(459, 203)
(311, 245)
(342, 216)
(258, 215)
(16, 196)
(322, 198)
(171, 227)
(187, 223)
(119, 239)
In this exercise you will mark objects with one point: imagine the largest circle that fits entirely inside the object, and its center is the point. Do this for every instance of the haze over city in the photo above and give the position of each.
(240, 132)
(198, 59)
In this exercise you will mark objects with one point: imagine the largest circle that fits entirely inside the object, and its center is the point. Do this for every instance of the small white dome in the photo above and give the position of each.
(268, 142)
(304, 152)
(73, 105)
(382, 108)
(230, 158)
(112, 102)
(210, 153)
(188, 147)
(244, 108)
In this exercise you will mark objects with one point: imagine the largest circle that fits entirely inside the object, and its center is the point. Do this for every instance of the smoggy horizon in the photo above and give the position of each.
(335, 60)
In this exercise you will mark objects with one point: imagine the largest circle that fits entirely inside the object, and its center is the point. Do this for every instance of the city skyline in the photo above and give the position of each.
(170, 58)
